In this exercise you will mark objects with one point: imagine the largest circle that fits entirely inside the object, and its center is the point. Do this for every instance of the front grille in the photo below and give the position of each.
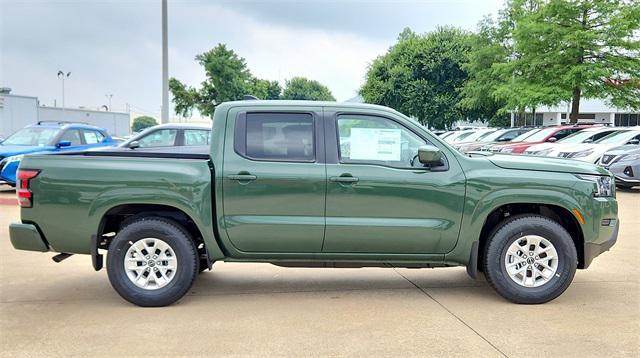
(3, 162)
(606, 159)
(564, 154)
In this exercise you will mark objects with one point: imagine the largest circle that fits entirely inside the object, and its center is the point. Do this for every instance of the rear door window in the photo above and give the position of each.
(196, 137)
(92, 137)
(280, 136)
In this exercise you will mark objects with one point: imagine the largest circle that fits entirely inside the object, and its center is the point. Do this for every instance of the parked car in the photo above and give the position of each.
(624, 163)
(48, 137)
(459, 135)
(548, 134)
(170, 135)
(587, 135)
(591, 152)
(317, 184)
(497, 137)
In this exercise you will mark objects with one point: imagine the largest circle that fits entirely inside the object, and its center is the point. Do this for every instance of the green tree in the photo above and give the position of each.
(143, 122)
(304, 89)
(569, 49)
(421, 76)
(488, 47)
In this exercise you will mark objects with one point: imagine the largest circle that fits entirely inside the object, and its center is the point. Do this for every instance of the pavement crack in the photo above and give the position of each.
(451, 313)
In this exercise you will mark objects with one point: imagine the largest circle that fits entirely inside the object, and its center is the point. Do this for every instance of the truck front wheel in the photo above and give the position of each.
(152, 262)
(530, 259)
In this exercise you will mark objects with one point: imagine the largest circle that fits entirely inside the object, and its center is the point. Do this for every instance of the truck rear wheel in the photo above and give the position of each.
(152, 262)
(530, 259)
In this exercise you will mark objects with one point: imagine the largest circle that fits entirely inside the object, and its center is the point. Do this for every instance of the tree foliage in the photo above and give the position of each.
(569, 49)
(421, 76)
(228, 79)
(143, 122)
(302, 88)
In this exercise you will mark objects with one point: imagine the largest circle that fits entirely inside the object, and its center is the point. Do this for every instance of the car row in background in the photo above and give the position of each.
(615, 148)
(53, 137)
(47, 136)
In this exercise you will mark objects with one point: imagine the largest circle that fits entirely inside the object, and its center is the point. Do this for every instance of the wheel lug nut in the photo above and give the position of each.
(155, 257)
(147, 257)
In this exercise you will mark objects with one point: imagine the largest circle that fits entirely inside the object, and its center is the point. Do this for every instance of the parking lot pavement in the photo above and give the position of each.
(49, 309)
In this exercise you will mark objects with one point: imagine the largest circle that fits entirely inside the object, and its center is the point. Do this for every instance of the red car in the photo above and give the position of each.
(548, 134)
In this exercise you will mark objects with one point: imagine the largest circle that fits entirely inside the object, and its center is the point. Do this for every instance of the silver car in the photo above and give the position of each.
(624, 163)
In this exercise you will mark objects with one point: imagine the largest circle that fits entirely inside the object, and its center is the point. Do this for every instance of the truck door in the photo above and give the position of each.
(274, 180)
(377, 201)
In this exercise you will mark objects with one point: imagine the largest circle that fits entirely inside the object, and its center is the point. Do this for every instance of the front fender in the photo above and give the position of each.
(491, 189)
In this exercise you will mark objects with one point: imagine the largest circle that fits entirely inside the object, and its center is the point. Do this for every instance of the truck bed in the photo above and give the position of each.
(74, 191)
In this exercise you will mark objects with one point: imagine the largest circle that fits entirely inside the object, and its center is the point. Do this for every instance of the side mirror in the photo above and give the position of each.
(552, 140)
(590, 140)
(63, 143)
(503, 139)
(634, 141)
(429, 155)
(133, 145)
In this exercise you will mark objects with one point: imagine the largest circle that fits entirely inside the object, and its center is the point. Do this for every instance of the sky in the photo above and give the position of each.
(114, 46)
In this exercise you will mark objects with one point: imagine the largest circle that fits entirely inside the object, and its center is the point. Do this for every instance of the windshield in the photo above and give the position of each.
(477, 135)
(578, 137)
(492, 136)
(525, 135)
(540, 135)
(619, 137)
(32, 137)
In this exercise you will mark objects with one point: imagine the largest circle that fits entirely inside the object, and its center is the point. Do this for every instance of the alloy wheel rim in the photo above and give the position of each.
(150, 263)
(531, 261)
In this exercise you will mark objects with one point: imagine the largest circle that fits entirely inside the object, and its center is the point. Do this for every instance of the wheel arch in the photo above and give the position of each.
(557, 213)
(120, 215)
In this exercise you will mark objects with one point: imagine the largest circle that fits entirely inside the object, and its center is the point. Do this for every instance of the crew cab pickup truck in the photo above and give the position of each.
(317, 184)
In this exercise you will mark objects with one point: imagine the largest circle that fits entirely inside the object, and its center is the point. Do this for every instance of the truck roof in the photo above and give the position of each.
(300, 103)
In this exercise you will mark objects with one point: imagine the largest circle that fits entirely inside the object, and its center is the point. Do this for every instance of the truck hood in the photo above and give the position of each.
(545, 164)
(11, 150)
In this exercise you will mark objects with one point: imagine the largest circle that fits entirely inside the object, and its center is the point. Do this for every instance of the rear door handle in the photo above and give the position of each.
(344, 179)
(242, 177)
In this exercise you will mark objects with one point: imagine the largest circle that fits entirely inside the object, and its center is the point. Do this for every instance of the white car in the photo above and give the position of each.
(588, 135)
(459, 135)
(591, 152)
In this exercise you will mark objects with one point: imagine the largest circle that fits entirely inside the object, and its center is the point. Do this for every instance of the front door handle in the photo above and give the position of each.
(344, 179)
(242, 177)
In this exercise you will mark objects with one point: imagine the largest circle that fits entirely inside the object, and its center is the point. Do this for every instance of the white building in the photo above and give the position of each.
(18, 111)
(593, 111)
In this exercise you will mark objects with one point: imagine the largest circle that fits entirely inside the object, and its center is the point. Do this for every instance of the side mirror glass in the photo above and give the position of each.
(634, 141)
(63, 143)
(133, 145)
(429, 155)
(552, 140)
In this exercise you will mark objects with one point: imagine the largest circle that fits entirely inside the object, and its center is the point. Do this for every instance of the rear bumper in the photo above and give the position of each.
(27, 237)
(592, 250)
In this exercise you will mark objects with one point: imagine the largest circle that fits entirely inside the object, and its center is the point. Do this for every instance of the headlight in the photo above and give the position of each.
(582, 154)
(506, 150)
(604, 186)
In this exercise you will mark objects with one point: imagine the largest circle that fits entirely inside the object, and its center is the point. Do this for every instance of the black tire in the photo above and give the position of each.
(515, 228)
(172, 234)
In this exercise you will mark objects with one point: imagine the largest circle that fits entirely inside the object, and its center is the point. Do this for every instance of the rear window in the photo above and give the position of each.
(280, 136)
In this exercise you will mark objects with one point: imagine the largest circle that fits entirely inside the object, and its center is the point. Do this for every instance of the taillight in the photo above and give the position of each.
(25, 196)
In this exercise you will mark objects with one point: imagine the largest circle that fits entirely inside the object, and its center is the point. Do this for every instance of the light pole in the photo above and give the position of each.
(165, 66)
(62, 76)
(109, 96)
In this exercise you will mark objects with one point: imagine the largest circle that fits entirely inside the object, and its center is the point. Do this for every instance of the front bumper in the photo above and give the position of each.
(27, 237)
(592, 250)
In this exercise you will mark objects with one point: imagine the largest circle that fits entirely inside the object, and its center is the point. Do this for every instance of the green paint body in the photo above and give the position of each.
(293, 212)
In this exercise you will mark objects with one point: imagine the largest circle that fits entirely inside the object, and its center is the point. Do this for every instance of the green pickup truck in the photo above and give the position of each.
(317, 184)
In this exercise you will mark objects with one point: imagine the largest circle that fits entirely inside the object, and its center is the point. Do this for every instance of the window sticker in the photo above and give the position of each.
(375, 144)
